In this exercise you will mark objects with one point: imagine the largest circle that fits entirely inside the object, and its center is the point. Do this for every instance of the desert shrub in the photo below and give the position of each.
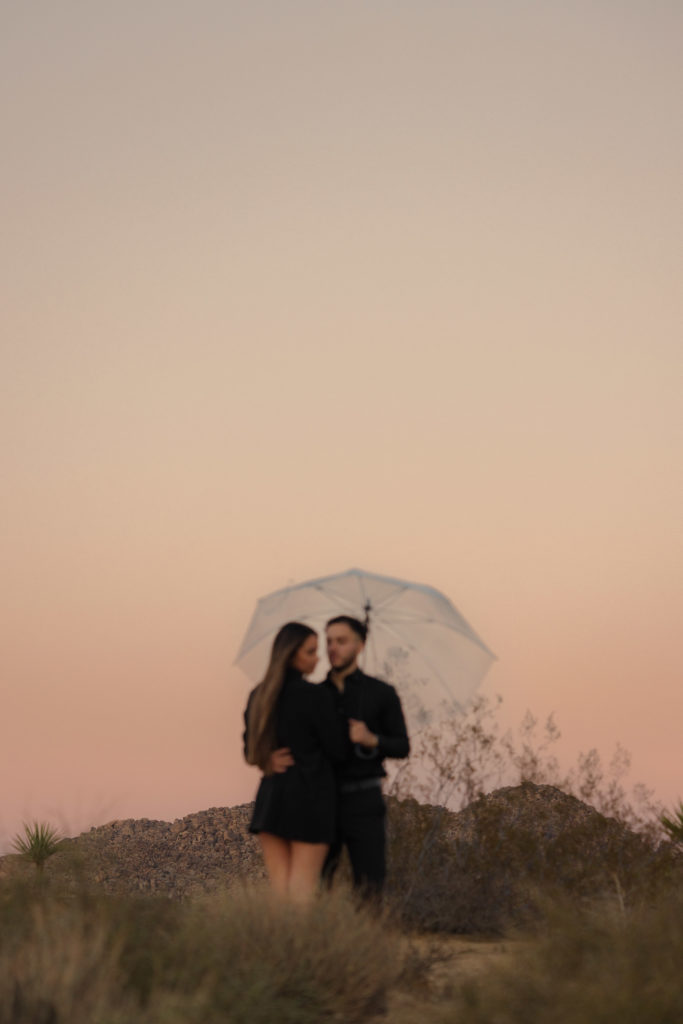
(602, 965)
(332, 959)
(673, 824)
(490, 874)
(56, 963)
(39, 842)
(466, 754)
(488, 866)
(230, 958)
(426, 886)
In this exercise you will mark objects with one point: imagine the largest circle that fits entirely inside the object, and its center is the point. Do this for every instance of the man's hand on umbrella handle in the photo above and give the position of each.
(280, 760)
(359, 733)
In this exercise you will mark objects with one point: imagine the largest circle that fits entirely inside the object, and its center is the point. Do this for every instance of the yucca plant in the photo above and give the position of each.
(39, 841)
(674, 824)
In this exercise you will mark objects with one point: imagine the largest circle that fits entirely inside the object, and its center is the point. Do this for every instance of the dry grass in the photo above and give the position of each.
(602, 965)
(241, 957)
(56, 962)
(234, 958)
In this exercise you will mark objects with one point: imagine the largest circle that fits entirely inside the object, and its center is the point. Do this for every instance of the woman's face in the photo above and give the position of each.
(306, 657)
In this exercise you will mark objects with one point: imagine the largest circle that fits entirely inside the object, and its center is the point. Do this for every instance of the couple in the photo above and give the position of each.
(321, 749)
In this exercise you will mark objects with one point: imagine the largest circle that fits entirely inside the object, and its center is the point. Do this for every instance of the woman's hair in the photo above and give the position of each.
(261, 739)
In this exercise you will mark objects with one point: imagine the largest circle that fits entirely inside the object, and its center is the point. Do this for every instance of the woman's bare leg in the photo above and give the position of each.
(277, 858)
(306, 863)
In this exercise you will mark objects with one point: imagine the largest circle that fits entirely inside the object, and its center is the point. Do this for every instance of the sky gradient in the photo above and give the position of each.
(290, 288)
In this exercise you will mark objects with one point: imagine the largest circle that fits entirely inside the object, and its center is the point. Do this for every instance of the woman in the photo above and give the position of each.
(294, 814)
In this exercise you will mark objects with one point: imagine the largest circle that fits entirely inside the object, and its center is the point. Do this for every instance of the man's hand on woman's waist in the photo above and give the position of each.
(280, 760)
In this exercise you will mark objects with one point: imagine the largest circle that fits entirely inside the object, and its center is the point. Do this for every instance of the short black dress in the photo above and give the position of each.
(300, 803)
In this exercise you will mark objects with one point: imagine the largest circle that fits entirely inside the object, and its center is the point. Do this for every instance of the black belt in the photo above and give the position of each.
(354, 787)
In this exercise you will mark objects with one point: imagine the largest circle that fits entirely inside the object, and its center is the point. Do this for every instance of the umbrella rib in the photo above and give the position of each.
(390, 598)
(344, 601)
(464, 629)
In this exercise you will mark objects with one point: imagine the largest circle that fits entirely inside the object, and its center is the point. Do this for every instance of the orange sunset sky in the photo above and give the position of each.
(293, 287)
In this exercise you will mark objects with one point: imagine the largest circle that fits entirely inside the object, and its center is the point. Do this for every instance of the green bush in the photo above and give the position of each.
(38, 843)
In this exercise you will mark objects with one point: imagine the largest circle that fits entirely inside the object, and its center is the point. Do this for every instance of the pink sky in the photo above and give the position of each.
(395, 286)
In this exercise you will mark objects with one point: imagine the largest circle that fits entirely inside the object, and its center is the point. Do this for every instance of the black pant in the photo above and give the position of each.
(360, 828)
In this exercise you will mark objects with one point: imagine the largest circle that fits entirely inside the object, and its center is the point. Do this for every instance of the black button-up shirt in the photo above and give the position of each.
(378, 705)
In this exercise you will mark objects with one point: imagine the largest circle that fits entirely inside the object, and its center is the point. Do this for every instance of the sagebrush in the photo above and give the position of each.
(241, 958)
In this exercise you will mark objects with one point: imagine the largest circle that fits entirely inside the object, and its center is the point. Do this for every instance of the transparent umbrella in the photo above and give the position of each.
(417, 640)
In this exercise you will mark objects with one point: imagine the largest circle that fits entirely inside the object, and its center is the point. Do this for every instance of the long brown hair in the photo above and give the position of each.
(261, 739)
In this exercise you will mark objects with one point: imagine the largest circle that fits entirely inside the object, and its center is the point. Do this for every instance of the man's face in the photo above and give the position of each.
(343, 646)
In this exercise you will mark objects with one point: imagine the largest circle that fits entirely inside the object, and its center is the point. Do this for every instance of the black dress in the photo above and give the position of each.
(300, 803)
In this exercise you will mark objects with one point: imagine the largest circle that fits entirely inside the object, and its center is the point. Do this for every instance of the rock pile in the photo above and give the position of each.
(201, 852)
(544, 811)
(467, 871)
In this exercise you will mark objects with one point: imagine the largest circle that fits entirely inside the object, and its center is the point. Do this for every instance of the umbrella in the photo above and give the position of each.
(417, 639)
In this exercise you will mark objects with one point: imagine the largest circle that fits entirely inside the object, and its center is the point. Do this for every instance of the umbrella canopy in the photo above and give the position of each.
(417, 640)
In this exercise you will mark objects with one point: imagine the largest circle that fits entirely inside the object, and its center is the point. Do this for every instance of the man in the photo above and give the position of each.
(376, 729)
